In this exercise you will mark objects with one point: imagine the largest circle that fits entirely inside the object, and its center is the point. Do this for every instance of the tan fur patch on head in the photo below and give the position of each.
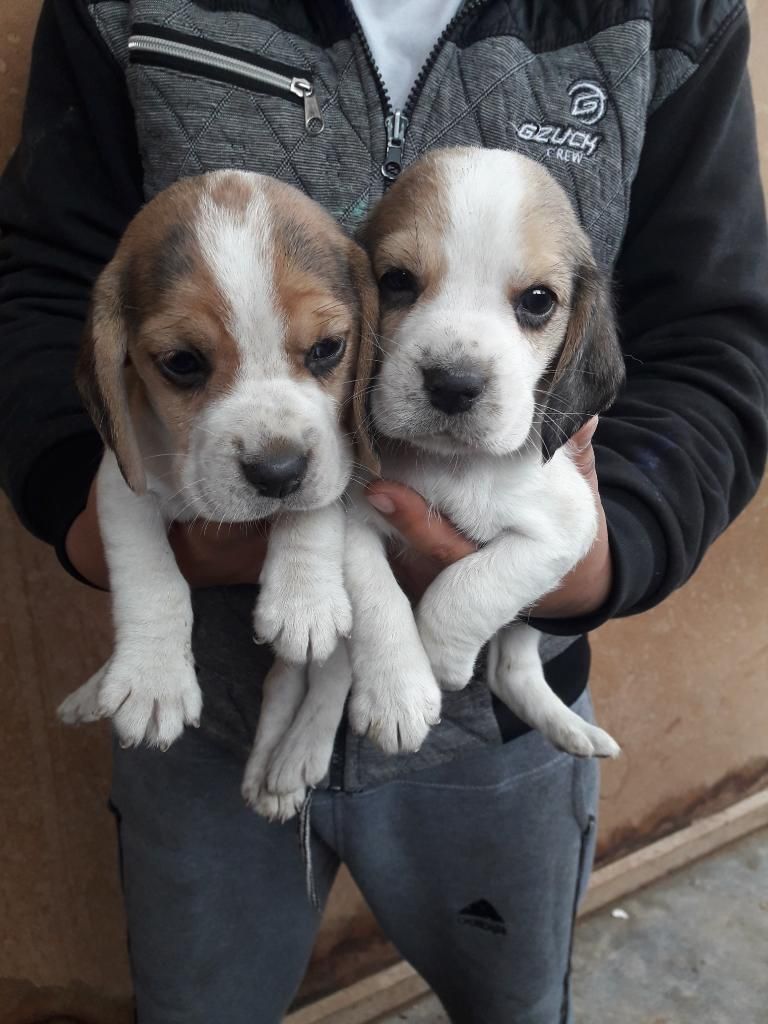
(173, 303)
(315, 286)
(406, 228)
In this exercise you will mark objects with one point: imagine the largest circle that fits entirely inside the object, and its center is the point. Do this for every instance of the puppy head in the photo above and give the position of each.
(221, 345)
(496, 325)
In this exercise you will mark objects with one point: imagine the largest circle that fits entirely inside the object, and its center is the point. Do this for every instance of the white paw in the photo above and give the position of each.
(150, 693)
(82, 705)
(280, 806)
(254, 777)
(303, 623)
(452, 663)
(577, 737)
(272, 806)
(294, 767)
(395, 706)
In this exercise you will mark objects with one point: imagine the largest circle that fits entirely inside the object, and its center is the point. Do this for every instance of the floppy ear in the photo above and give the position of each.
(368, 297)
(588, 371)
(100, 375)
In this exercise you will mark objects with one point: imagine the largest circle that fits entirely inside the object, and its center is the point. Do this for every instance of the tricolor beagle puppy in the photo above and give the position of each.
(217, 361)
(497, 342)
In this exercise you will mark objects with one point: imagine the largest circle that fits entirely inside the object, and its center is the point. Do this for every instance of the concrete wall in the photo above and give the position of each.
(682, 687)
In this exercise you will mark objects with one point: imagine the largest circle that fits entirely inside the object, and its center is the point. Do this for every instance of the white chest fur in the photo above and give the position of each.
(485, 496)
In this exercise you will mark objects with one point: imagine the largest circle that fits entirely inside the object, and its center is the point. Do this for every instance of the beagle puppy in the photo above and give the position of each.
(217, 361)
(497, 342)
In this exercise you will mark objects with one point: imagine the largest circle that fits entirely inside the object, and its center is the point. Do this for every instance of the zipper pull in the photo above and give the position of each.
(313, 118)
(397, 126)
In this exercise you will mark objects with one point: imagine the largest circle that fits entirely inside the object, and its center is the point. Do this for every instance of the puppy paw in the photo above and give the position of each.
(577, 737)
(151, 694)
(452, 663)
(272, 806)
(254, 778)
(303, 623)
(81, 706)
(395, 708)
(295, 767)
(280, 807)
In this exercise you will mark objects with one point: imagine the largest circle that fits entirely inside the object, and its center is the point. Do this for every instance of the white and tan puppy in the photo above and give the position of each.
(497, 343)
(217, 361)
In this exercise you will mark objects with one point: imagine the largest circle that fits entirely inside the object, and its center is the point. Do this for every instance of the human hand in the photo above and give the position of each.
(434, 543)
(208, 554)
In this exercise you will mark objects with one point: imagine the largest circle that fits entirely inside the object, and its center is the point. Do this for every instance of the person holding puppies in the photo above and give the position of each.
(472, 852)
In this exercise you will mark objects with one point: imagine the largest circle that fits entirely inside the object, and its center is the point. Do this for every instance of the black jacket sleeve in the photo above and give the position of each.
(682, 451)
(65, 199)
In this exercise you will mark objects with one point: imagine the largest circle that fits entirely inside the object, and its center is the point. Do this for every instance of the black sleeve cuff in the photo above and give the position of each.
(56, 487)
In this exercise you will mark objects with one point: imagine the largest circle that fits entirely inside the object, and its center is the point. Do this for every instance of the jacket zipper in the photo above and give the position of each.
(396, 122)
(296, 86)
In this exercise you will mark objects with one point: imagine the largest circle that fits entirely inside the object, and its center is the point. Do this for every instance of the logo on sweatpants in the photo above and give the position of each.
(483, 915)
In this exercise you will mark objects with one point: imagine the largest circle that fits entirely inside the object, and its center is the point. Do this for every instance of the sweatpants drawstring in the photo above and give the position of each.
(305, 839)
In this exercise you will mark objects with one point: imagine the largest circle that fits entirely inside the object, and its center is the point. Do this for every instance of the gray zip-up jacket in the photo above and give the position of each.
(642, 110)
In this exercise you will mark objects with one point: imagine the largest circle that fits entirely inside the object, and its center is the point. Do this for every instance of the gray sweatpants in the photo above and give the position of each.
(473, 870)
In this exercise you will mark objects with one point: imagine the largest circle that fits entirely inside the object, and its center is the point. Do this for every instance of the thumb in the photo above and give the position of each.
(423, 531)
(580, 448)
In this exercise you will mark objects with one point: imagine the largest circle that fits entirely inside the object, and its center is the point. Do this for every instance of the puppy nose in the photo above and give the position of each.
(276, 476)
(452, 391)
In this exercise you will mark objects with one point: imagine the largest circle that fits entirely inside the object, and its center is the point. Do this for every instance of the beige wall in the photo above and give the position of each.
(682, 687)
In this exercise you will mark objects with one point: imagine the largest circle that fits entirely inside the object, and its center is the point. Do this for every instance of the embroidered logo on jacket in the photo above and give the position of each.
(587, 102)
(566, 142)
(569, 144)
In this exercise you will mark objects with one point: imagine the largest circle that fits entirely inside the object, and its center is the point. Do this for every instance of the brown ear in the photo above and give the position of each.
(588, 372)
(100, 375)
(368, 297)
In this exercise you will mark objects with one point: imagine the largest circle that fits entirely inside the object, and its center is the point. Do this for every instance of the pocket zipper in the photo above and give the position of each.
(293, 85)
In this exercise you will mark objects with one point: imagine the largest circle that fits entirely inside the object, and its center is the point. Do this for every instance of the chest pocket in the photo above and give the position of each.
(157, 46)
(580, 110)
(216, 89)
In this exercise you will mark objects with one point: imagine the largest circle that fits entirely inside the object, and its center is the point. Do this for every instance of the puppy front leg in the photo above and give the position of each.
(516, 676)
(285, 688)
(475, 597)
(302, 757)
(395, 698)
(148, 687)
(303, 608)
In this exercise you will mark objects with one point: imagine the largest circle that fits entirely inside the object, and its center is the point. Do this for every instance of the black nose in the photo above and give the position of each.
(276, 476)
(452, 391)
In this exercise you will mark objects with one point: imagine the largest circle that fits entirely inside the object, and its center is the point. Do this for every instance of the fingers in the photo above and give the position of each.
(424, 530)
(582, 453)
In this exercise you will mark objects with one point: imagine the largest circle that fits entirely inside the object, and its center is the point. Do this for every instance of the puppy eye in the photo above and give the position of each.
(399, 285)
(325, 355)
(535, 305)
(186, 368)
